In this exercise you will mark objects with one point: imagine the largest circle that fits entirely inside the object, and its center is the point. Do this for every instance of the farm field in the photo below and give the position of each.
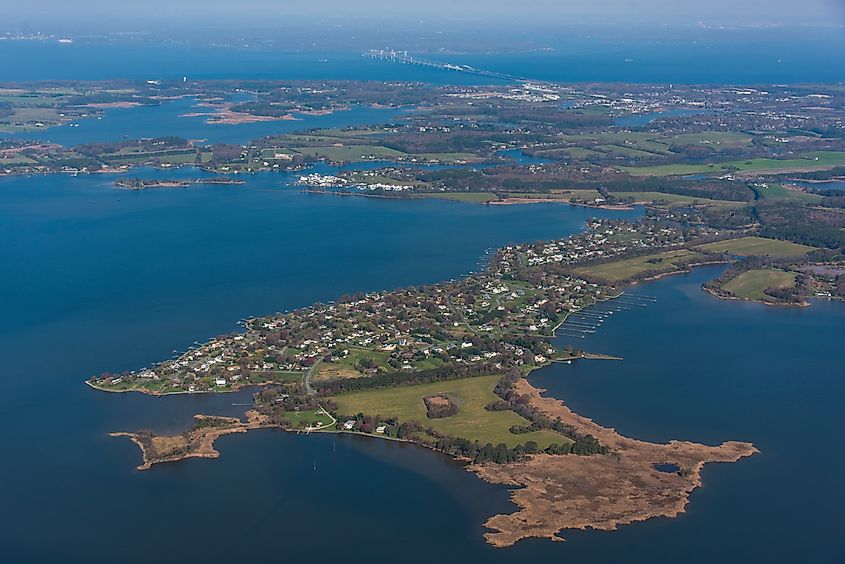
(748, 246)
(624, 269)
(751, 285)
(648, 197)
(472, 422)
(812, 161)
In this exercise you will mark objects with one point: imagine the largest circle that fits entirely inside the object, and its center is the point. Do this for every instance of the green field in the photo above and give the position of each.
(472, 422)
(626, 268)
(779, 192)
(748, 246)
(351, 153)
(752, 284)
(302, 419)
(713, 138)
(648, 197)
(811, 161)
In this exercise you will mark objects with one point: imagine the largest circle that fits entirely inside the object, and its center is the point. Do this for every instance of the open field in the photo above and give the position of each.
(667, 261)
(752, 284)
(812, 161)
(302, 419)
(472, 422)
(351, 152)
(714, 138)
(648, 197)
(748, 246)
(780, 192)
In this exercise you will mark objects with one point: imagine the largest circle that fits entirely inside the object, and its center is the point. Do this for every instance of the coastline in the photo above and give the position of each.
(601, 492)
(763, 302)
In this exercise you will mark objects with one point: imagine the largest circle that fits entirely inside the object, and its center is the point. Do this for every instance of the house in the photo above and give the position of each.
(381, 429)
(349, 425)
(220, 381)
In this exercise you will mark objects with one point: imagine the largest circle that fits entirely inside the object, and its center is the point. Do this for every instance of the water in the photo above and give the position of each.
(173, 118)
(517, 156)
(641, 120)
(98, 279)
(740, 58)
(831, 185)
(105, 279)
(668, 468)
(702, 369)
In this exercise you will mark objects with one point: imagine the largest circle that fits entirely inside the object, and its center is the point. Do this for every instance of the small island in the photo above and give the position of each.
(150, 183)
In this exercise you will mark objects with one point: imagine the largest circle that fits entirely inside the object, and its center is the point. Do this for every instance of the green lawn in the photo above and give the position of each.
(748, 246)
(780, 192)
(623, 269)
(648, 197)
(302, 419)
(752, 284)
(351, 153)
(472, 422)
(811, 161)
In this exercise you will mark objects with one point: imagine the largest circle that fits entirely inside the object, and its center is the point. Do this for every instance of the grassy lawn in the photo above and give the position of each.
(626, 268)
(472, 422)
(748, 246)
(648, 197)
(782, 193)
(350, 153)
(302, 419)
(752, 284)
(714, 138)
(811, 161)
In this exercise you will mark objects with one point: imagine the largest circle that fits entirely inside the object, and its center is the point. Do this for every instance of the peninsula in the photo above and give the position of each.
(724, 175)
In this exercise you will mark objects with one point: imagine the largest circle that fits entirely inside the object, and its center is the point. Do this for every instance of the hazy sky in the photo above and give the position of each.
(744, 12)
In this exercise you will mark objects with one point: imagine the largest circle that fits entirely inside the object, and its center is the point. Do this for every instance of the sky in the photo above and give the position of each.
(728, 12)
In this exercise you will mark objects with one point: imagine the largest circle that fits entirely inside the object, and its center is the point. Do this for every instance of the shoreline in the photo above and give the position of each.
(753, 301)
(440, 196)
(600, 492)
(552, 493)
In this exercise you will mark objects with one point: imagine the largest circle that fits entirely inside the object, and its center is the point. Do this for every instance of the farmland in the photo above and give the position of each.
(625, 269)
(749, 246)
(472, 422)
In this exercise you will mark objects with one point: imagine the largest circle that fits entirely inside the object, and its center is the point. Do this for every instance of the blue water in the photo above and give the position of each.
(707, 370)
(641, 120)
(519, 157)
(832, 185)
(171, 118)
(96, 278)
(668, 468)
(738, 59)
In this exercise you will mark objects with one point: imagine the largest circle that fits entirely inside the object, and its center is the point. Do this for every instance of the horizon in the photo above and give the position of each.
(436, 17)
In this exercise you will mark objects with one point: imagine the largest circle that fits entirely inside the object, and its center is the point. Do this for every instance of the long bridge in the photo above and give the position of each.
(406, 59)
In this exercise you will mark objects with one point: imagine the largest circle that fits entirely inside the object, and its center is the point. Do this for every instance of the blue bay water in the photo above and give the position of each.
(737, 58)
(96, 278)
(178, 118)
(104, 279)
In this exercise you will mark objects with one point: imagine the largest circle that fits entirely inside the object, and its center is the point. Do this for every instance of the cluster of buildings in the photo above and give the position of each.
(604, 238)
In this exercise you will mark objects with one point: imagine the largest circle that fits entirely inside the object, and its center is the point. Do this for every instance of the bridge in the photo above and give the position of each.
(405, 59)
